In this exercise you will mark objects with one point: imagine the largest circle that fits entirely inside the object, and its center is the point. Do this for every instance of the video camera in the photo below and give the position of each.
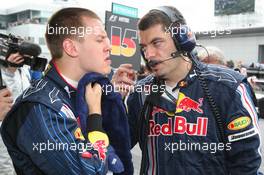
(10, 44)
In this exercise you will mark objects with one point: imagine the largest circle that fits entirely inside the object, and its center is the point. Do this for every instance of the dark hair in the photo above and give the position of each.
(152, 18)
(65, 19)
(158, 16)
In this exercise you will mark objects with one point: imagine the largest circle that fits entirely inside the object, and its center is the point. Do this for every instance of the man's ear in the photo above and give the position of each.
(70, 47)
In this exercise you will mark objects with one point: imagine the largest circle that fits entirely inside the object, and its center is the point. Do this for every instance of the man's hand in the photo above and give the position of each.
(252, 81)
(123, 79)
(6, 102)
(93, 98)
(14, 58)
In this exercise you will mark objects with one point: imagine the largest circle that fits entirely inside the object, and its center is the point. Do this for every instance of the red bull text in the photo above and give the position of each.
(181, 126)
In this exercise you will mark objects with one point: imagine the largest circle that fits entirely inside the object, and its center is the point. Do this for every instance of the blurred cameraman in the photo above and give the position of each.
(6, 102)
(17, 79)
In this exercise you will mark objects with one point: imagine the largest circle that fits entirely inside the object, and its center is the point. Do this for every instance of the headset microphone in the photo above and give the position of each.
(153, 63)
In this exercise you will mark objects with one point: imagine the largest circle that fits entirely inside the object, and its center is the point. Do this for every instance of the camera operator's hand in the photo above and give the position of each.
(14, 58)
(93, 98)
(252, 81)
(6, 102)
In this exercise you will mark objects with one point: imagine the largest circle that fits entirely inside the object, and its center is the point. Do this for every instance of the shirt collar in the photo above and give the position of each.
(53, 73)
(190, 77)
(71, 82)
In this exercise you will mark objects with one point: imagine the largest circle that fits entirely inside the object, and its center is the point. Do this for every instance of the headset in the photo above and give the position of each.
(182, 35)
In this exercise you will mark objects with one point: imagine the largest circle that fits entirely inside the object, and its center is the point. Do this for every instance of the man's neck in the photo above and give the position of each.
(69, 70)
(180, 73)
(73, 83)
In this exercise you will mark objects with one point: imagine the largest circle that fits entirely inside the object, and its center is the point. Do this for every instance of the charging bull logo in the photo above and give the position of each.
(100, 146)
(187, 104)
(181, 126)
(160, 110)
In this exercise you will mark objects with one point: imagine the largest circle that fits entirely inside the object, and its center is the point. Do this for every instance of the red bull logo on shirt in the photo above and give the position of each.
(187, 104)
(156, 110)
(100, 146)
(181, 126)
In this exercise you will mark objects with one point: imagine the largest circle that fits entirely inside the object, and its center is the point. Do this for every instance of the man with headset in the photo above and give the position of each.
(202, 119)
